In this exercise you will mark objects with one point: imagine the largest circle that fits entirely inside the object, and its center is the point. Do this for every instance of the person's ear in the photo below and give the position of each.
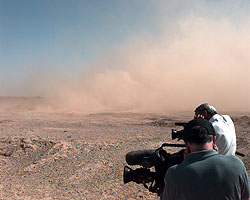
(214, 139)
(187, 145)
(187, 149)
(215, 147)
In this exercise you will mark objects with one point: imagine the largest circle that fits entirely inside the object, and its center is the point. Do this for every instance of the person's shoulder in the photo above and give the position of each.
(178, 169)
(234, 158)
(226, 116)
(228, 119)
(215, 118)
(231, 159)
(172, 170)
(170, 175)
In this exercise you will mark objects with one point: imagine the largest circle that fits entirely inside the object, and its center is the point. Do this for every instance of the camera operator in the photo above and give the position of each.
(205, 174)
(223, 126)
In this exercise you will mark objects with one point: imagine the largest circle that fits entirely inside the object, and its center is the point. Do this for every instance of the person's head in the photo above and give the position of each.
(205, 111)
(199, 134)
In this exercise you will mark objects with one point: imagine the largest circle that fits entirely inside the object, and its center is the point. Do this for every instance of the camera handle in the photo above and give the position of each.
(183, 145)
(154, 188)
(172, 145)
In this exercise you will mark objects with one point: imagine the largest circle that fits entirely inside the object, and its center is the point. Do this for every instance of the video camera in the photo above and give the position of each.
(155, 163)
(178, 134)
(158, 160)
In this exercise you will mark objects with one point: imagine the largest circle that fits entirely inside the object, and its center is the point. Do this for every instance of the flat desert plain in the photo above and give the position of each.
(74, 155)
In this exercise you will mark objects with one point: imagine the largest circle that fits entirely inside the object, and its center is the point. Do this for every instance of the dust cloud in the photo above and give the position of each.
(204, 61)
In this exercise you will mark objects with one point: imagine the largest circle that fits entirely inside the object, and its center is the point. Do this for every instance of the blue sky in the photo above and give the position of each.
(63, 36)
(65, 32)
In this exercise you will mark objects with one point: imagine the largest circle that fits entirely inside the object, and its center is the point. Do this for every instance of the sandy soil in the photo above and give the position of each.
(81, 156)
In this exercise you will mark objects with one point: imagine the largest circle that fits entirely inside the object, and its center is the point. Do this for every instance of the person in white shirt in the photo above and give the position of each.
(223, 125)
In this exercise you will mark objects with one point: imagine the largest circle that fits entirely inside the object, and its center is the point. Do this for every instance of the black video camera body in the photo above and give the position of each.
(178, 134)
(154, 164)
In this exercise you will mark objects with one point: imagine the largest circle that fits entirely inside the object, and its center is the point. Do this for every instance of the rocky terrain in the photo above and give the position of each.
(81, 156)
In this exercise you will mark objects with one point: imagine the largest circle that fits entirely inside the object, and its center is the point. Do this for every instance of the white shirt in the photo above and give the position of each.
(225, 134)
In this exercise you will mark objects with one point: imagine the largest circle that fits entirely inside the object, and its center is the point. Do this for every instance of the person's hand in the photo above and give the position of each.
(199, 116)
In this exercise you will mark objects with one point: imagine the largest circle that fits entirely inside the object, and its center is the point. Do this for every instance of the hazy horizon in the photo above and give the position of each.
(127, 56)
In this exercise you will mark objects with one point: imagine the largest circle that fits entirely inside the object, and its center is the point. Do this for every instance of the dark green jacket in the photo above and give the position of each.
(207, 175)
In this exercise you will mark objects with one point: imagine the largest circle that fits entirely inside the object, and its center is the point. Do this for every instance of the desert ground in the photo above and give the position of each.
(74, 155)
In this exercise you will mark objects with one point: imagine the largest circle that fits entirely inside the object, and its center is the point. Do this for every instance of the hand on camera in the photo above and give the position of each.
(199, 116)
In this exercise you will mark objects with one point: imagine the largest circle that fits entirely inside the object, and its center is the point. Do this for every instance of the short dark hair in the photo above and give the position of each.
(199, 135)
(198, 131)
(205, 106)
